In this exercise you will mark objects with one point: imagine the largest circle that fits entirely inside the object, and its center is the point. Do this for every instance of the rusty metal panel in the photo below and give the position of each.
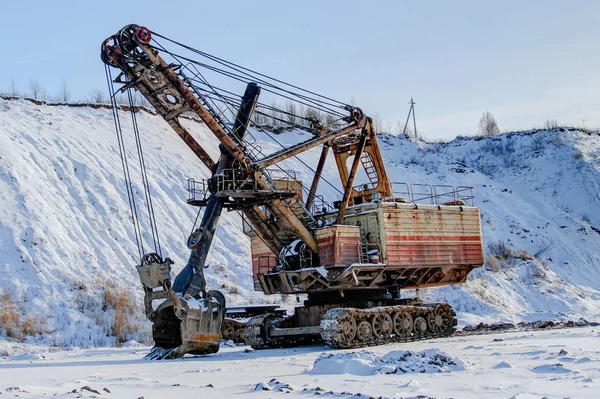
(339, 245)
(289, 185)
(429, 235)
(263, 259)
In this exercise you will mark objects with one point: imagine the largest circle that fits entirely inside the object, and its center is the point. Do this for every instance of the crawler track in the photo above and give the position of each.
(355, 328)
(233, 330)
(255, 331)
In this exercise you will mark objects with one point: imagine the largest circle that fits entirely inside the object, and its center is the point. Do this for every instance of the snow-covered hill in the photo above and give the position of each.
(539, 193)
(68, 250)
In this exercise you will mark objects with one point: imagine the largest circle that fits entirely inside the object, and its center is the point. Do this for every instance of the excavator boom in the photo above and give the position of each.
(177, 327)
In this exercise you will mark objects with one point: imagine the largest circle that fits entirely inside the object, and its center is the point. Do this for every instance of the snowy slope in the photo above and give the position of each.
(65, 227)
(535, 189)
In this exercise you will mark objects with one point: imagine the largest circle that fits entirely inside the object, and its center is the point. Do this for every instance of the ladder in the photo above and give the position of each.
(297, 207)
(367, 162)
(364, 253)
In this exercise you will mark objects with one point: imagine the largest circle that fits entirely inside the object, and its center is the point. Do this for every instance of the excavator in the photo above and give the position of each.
(350, 256)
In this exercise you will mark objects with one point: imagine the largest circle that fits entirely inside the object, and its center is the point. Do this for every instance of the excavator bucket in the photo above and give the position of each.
(201, 327)
(180, 324)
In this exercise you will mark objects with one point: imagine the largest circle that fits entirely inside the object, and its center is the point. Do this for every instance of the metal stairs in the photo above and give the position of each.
(367, 162)
(297, 207)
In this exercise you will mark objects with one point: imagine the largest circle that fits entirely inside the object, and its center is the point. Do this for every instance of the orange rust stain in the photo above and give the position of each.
(206, 338)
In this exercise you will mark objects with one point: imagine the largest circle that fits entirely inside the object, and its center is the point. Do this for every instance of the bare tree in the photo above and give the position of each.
(270, 115)
(313, 114)
(398, 129)
(551, 124)
(487, 125)
(121, 99)
(97, 97)
(377, 123)
(139, 99)
(277, 117)
(13, 88)
(258, 116)
(290, 108)
(64, 95)
(332, 121)
(36, 90)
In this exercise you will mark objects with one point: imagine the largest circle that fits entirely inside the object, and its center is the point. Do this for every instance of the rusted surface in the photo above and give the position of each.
(192, 143)
(203, 113)
(304, 146)
(375, 152)
(338, 245)
(317, 178)
(146, 87)
(165, 82)
(294, 185)
(362, 277)
(386, 324)
(260, 227)
(350, 182)
(432, 236)
(375, 249)
(205, 338)
(260, 256)
(347, 146)
(303, 233)
(420, 246)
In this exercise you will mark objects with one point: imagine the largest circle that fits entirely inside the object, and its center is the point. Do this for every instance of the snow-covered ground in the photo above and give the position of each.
(67, 249)
(552, 364)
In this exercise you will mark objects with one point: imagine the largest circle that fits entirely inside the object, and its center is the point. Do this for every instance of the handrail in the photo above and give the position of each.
(196, 193)
(265, 269)
(423, 195)
(437, 194)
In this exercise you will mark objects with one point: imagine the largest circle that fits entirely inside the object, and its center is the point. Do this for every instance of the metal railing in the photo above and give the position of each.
(233, 180)
(237, 180)
(365, 187)
(266, 263)
(465, 194)
(399, 192)
(197, 190)
(436, 194)
(321, 207)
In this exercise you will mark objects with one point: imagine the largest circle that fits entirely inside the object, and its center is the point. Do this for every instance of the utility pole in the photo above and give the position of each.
(411, 110)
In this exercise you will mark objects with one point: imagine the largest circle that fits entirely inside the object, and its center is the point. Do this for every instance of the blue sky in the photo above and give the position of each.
(524, 61)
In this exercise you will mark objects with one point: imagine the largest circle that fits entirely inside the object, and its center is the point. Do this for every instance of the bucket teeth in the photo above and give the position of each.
(158, 353)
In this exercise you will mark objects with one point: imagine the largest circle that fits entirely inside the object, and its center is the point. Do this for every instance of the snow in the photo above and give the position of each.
(503, 365)
(395, 362)
(66, 234)
(26, 356)
(543, 364)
